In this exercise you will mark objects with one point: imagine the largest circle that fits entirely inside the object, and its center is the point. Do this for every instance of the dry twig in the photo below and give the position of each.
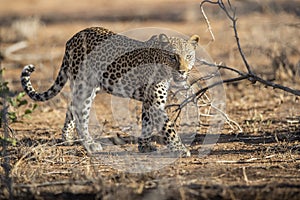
(245, 175)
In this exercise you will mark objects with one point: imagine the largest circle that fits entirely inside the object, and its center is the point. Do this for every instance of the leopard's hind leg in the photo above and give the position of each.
(69, 134)
(81, 104)
(68, 131)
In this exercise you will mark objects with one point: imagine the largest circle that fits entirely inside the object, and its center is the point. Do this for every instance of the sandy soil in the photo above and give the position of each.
(261, 162)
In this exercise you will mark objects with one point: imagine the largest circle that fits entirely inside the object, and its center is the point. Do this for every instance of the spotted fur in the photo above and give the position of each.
(98, 59)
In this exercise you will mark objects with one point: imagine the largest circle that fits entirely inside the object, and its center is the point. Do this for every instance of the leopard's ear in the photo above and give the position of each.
(194, 40)
(153, 38)
(163, 38)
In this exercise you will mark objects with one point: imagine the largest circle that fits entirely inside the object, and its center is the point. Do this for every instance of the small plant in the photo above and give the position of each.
(17, 102)
(11, 141)
(11, 102)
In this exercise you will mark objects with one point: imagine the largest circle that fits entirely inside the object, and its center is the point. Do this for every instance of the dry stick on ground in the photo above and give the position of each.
(249, 75)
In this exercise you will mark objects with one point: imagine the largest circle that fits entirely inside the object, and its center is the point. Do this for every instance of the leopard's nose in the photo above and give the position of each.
(182, 72)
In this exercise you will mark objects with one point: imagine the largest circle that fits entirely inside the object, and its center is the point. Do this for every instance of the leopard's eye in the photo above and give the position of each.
(188, 57)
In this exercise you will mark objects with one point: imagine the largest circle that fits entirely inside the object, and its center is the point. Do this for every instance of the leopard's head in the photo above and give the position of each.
(184, 48)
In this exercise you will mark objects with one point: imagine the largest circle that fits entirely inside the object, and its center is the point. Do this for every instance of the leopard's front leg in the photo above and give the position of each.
(154, 115)
(172, 139)
(144, 141)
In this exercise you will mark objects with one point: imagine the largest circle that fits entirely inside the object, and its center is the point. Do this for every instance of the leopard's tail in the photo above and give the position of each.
(59, 83)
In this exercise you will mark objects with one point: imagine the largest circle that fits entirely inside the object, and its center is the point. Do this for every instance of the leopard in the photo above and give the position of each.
(97, 60)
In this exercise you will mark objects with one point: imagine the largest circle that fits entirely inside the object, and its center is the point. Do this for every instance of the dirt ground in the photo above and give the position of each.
(257, 154)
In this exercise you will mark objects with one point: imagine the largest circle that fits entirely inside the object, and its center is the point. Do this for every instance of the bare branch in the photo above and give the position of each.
(275, 86)
(254, 78)
(221, 67)
(233, 19)
(202, 91)
(229, 120)
(207, 21)
(231, 14)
